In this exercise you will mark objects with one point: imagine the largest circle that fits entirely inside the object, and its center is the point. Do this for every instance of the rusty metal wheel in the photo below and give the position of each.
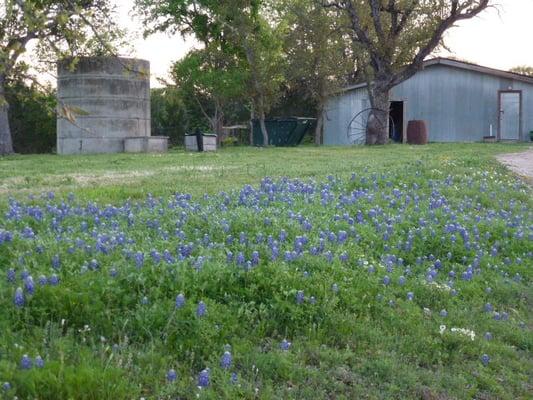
(358, 125)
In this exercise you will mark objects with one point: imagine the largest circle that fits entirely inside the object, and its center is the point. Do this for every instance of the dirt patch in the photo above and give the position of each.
(519, 163)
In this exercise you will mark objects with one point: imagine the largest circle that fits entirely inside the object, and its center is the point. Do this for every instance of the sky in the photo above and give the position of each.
(499, 38)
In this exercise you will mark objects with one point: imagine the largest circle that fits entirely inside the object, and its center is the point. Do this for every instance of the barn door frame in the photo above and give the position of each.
(520, 97)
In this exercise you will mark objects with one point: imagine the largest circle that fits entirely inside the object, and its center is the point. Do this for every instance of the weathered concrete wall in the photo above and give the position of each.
(113, 97)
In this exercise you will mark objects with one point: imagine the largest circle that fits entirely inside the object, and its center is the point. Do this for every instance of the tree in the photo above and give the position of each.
(59, 28)
(213, 79)
(523, 70)
(167, 111)
(31, 115)
(229, 30)
(394, 37)
(317, 54)
(263, 48)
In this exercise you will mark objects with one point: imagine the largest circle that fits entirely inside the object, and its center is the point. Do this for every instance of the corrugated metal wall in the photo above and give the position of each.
(458, 105)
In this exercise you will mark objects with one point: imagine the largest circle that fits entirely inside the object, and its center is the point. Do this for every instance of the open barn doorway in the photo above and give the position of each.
(396, 125)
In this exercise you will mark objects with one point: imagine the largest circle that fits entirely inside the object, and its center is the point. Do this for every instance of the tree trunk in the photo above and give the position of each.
(319, 125)
(377, 131)
(252, 117)
(262, 121)
(6, 143)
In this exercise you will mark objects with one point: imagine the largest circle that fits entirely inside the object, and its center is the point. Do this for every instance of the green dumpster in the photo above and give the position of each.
(282, 131)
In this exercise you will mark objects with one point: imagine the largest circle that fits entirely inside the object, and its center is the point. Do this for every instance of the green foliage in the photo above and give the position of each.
(168, 114)
(32, 117)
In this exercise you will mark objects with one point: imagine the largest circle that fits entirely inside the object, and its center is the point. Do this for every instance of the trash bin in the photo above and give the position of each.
(207, 142)
(282, 131)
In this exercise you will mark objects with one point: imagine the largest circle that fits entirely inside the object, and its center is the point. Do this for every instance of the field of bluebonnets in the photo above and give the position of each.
(402, 273)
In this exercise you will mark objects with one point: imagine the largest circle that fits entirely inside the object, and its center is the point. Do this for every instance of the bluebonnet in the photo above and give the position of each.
(29, 286)
(234, 379)
(53, 280)
(171, 375)
(11, 275)
(18, 298)
(410, 295)
(6, 386)
(485, 359)
(180, 300)
(145, 300)
(443, 313)
(300, 297)
(488, 336)
(201, 309)
(39, 362)
(335, 288)
(285, 345)
(226, 360)
(25, 362)
(386, 280)
(42, 280)
(203, 378)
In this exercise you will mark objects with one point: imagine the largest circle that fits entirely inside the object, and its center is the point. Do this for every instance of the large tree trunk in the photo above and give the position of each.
(377, 131)
(6, 143)
(319, 124)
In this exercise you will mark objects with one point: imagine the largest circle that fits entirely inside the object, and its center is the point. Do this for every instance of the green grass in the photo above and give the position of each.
(111, 178)
(100, 340)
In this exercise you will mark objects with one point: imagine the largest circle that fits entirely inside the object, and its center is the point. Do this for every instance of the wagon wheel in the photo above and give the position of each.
(357, 127)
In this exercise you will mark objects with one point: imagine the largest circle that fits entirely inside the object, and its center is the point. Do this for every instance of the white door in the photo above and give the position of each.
(510, 115)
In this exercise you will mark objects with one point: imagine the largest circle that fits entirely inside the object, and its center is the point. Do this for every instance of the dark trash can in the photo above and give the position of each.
(282, 131)
(199, 141)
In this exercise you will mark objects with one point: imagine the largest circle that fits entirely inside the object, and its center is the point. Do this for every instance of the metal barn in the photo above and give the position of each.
(460, 102)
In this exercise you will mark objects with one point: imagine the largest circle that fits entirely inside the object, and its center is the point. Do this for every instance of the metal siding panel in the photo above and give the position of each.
(458, 105)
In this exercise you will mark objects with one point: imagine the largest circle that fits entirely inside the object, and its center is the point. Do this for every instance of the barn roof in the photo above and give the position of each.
(465, 66)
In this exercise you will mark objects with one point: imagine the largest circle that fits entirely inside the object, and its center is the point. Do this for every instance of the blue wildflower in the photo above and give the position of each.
(54, 280)
(6, 386)
(11, 275)
(25, 362)
(488, 336)
(180, 300)
(485, 359)
(285, 345)
(39, 362)
(335, 288)
(42, 280)
(443, 313)
(300, 297)
(201, 309)
(203, 378)
(29, 286)
(226, 360)
(386, 280)
(410, 296)
(234, 378)
(171, 375)
(18, 298)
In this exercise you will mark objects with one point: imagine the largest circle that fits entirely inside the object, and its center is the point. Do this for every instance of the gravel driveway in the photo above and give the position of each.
(520, 163)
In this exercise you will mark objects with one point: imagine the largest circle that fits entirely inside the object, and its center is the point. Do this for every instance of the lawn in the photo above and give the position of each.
(300, 273)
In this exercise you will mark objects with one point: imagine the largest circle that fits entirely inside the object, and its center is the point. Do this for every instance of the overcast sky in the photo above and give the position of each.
(500, 38)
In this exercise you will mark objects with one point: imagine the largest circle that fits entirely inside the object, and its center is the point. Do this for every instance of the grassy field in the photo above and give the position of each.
(110, 178)
(302, 273)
